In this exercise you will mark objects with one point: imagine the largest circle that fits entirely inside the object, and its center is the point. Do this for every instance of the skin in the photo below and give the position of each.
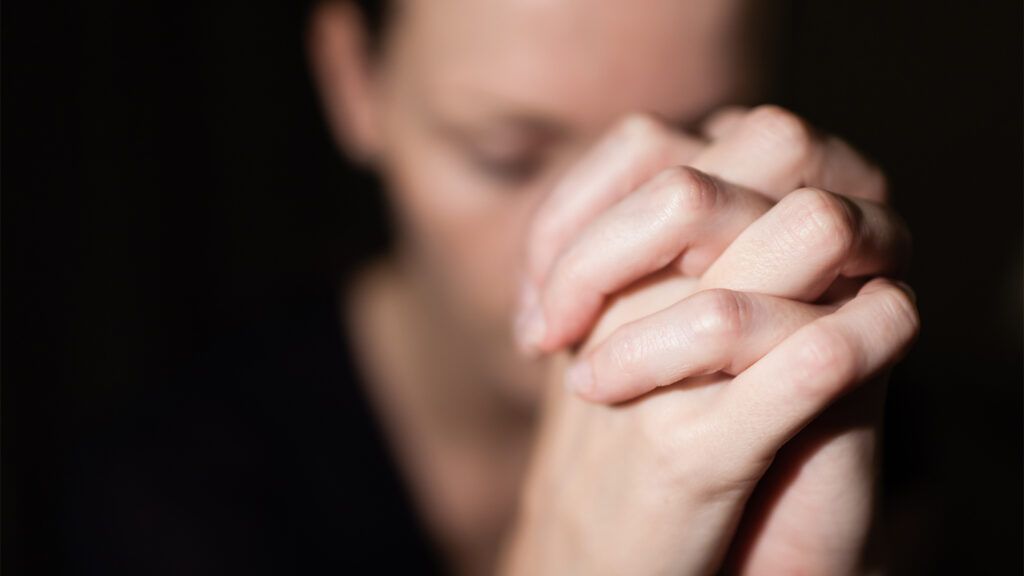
(702, 327)
(710, 316)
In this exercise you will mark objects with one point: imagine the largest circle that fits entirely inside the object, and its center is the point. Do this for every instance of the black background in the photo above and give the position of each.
(166, 177)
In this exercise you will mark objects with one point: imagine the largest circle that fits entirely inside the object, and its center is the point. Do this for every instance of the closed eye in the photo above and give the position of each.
(516, 169)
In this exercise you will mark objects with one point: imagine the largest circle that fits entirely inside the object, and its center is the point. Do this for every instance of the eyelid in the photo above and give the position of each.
(508, 154)
(507, 149)
(511, 168)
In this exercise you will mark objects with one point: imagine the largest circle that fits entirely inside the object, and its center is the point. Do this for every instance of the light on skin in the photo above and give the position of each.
(471, 112)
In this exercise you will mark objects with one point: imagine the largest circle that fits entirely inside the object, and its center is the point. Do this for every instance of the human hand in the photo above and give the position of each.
(684, 231)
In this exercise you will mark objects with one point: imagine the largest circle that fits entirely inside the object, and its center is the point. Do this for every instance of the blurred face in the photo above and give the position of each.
(479, 106)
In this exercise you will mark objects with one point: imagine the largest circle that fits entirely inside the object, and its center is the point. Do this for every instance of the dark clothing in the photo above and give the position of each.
(266, 460)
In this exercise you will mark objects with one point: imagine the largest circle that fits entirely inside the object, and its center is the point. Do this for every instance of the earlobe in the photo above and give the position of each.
(340, 65)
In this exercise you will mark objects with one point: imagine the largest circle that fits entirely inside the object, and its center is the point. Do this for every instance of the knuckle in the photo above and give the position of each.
(722, 313)
(784, 129)
(824, 221)
(827, 360)
(686, 192)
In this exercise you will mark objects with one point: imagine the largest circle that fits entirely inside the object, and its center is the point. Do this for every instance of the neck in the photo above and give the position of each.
(459, 440)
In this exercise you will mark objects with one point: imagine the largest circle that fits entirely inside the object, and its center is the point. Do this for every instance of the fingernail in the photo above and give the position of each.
(579, 377)
(530, 323)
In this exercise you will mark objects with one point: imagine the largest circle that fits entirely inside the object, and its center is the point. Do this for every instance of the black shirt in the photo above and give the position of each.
(265, 460)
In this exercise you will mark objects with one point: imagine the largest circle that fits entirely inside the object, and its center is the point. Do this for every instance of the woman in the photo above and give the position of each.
(702, 299)
(711, 276)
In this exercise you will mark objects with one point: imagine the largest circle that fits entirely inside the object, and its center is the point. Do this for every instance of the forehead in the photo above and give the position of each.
(581, 61)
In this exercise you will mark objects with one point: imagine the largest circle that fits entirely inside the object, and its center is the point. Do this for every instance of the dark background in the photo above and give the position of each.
(166, 177)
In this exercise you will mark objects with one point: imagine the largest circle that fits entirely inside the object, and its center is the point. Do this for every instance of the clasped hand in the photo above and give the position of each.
(724, 317)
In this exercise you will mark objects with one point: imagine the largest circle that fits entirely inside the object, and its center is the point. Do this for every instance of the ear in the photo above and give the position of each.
(341, 66)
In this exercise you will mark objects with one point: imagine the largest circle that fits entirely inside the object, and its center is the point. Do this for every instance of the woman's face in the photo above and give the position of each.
(478, 107)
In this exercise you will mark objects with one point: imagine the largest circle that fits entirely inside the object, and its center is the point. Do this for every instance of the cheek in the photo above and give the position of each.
(465, 233)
